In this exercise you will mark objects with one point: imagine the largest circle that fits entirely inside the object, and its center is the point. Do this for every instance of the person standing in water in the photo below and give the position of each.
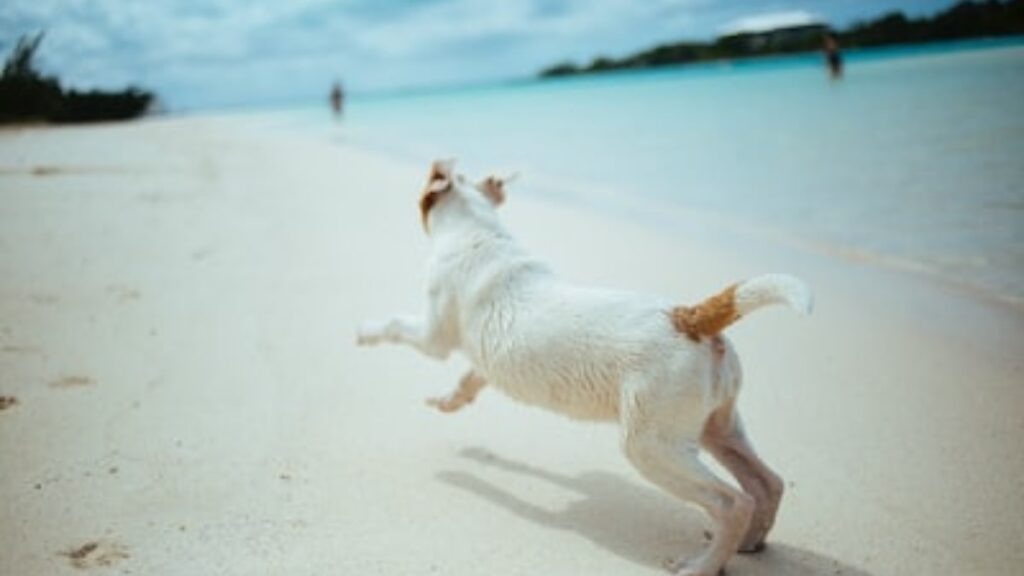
(337, 99)
(833, 58)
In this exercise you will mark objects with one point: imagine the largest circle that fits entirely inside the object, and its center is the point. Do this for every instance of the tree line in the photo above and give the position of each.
(967, 19)
(26, 95)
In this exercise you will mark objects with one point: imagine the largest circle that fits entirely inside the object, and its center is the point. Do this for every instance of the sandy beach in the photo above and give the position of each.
(183, 393)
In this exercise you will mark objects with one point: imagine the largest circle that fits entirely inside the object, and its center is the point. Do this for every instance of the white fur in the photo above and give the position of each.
(595, 354)
(774, 289)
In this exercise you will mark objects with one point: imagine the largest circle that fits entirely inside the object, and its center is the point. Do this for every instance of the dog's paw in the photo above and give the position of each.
(445, 404)
(370, 333)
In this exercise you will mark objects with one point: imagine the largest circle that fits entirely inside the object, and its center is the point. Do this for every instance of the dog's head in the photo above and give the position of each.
(445, 186)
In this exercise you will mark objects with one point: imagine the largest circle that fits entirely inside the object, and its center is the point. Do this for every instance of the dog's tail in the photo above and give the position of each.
(719, 311)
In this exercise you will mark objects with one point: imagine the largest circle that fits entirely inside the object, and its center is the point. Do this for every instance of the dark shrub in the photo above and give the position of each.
(28, 96)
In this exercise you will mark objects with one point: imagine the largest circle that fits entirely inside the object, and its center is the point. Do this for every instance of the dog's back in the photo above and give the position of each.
(568, 348)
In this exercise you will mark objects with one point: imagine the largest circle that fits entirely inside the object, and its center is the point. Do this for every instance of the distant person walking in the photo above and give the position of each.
(833, 58)
(337, 100)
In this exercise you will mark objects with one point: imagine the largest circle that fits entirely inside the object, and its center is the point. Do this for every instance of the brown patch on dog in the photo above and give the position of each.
(493, 188)
(427, 202)
(71, 382)
(439, 182)
(96, 553)
(707, 318)
(7, 401)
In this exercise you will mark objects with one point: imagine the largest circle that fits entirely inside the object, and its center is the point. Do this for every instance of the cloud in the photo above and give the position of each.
(211, 52)
(180, 47)
(770, 21)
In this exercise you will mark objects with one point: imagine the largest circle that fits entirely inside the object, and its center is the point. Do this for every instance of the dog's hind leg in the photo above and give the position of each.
(469, 386)
(725, 439)
(669, 460)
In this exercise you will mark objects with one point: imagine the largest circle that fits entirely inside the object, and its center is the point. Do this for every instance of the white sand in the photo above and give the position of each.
(177, 307)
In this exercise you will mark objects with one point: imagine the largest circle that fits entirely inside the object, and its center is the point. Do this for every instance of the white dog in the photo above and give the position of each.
(661, 370)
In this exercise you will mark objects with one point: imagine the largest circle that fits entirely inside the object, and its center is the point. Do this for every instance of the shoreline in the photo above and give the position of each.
(652, 211)
(642, 210)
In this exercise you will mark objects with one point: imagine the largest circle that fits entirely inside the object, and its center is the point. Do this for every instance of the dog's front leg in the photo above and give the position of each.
(469, 386)
(410, 330)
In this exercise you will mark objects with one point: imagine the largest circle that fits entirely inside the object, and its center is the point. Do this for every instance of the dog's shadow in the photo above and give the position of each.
(631, 521)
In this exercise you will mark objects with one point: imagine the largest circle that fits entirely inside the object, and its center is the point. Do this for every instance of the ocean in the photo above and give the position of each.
(914, 159)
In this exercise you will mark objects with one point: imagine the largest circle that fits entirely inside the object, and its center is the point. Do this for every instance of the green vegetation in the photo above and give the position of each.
(28, 96)
(964, 20)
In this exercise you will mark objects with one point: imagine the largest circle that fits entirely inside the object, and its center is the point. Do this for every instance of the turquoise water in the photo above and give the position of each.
(914, 159)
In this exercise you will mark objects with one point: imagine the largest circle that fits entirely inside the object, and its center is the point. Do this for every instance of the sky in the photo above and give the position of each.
(223, 53)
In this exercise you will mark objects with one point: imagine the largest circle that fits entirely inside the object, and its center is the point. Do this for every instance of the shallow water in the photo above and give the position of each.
(915, 158)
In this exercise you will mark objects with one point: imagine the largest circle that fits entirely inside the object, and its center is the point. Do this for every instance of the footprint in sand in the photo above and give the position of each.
(201, 254)
(123, 293)
(95, 554)
(16, 349)
(44, 299)
(71, 382)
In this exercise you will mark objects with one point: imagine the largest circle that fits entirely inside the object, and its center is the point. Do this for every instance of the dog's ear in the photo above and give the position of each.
(439, 181)
(493, 187)
(440, 177)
